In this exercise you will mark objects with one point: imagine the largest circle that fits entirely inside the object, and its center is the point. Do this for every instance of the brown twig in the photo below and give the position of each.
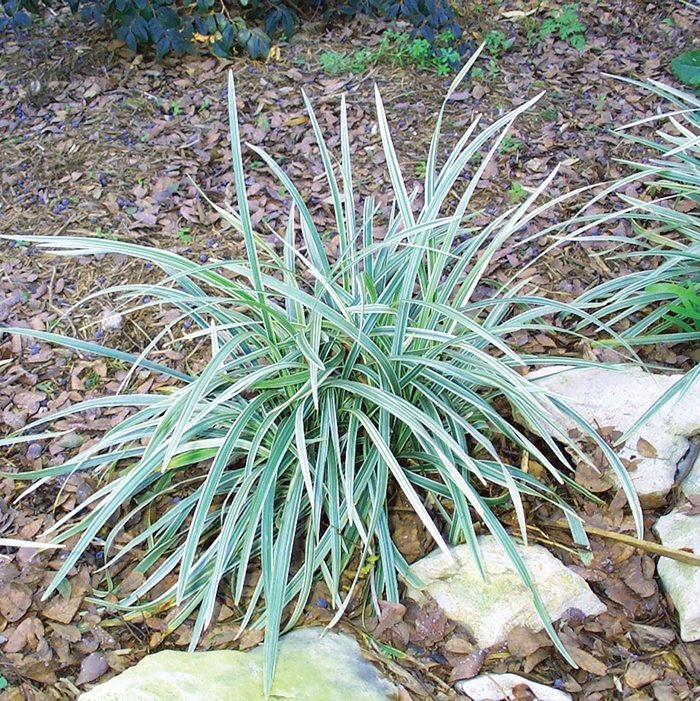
(683, 556)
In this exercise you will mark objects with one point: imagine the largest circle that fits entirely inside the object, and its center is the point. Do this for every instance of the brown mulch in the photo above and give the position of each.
(112, 144)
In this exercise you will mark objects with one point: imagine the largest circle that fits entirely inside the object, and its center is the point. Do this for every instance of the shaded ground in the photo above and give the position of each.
(96, 141)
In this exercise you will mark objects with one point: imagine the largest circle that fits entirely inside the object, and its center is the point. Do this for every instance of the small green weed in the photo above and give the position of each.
(686, 68)
(46, 386)
(419, 52)
(101, 234)
(510, 144)
(184, 235)
(335, 62)
(396, 48)
(516, 192)
(445, 60)
(497, 42)
(492, 70)
(549, 113)
(567, 25)
(684, 314)
(91, 380)
(489, 74)
(263, 123)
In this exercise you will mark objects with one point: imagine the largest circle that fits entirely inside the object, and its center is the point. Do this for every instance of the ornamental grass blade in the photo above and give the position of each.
(96, 348)
(239, 179)
(397, 181)
(431, 162)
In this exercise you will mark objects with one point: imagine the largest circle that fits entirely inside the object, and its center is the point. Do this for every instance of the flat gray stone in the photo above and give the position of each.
(309, 668)
(495, 687)
(492, 608)
(618, 397)
(682, 582)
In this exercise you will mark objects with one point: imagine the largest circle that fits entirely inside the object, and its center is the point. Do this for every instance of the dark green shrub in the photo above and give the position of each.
(430, 18)
(17, 13)
(238, 25)
(169, 25)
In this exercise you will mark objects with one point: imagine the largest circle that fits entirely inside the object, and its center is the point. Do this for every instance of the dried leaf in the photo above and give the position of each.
(91, 668)
(646, 449)
(430, 622)
(639, 674)
(458, 645)
(391, 613)
(664, 691)
(523, 641)
(38, 671)
(28, 633)
(67, 632)
(250, 639)
(651, 637)
(62, 610)
(587, 662)
(469, 667)
(15, 600)
(631, 573)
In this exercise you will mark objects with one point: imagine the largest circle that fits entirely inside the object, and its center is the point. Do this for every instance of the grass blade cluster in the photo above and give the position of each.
(332, 382)
(659, 302)
(662, 302)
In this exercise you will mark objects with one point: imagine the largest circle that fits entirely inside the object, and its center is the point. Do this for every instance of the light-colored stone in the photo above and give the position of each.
(309, 667)
(618, 397)
(491, 608)
(682, 582)
(494, 687)
(111, 320)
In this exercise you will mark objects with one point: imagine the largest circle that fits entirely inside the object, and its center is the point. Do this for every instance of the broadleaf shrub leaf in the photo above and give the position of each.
(21, 20)
(686, 67)
(156, 29)
(163, 46)
(258, 44)
(130, 41)
(140, 29)
(168, 17)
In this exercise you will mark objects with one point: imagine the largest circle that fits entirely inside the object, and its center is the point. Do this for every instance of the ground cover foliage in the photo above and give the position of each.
(247, 26)
(157, 205)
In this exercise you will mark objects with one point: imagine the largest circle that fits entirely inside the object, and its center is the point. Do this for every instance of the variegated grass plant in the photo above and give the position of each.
(659, 303)
(331, 383)
(664, 228)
